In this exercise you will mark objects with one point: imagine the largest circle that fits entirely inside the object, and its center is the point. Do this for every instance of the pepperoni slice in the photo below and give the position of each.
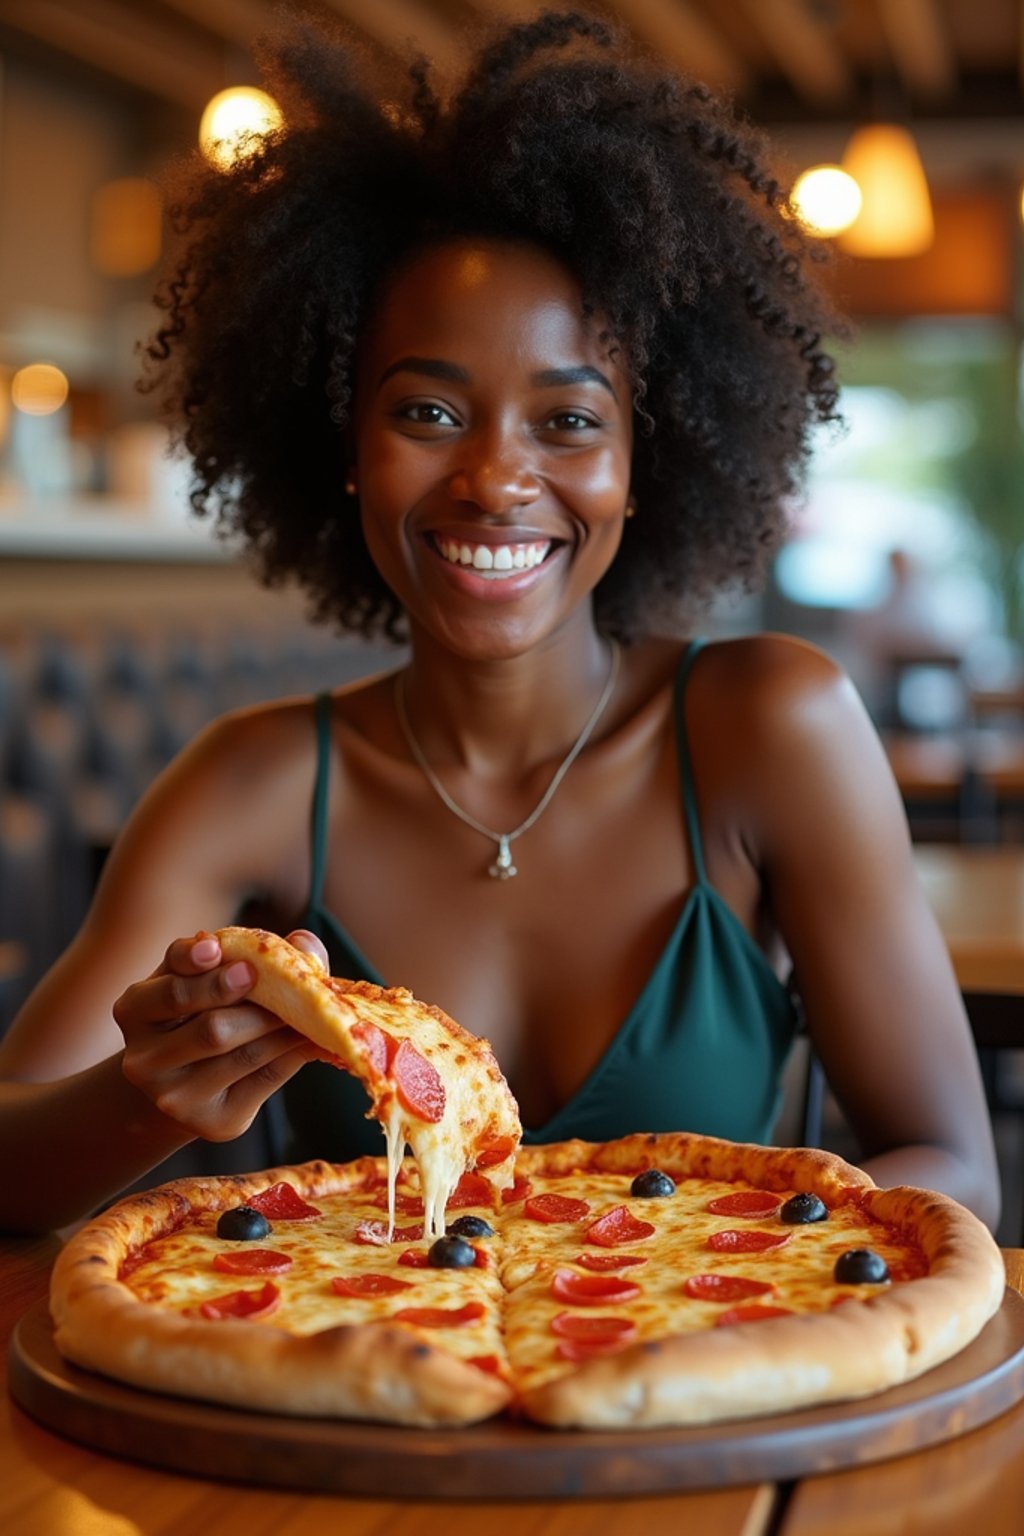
(368, 1285)
(376, 1233)
(251, 1304)
(252, 1261)
(418, 1085)
(591, 1290)
(519, 1190)
(414, 1258)
(552, 1208)
(746, 1202)
(489, 1363)
(496, 1151)
(592, 1330)
(406, 1205)
(472, 1189)
(601, 1263)
(754, 1313)
(440, 1317)
(732, 1241)
(618, 1226)
(725, 1287)
(579, 1351)
(378, 1047)
(281, 1202)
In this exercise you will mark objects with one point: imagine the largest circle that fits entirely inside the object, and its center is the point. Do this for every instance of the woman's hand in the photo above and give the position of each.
(194, 1045)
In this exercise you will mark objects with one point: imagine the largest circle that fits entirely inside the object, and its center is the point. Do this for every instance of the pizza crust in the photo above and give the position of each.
(376, 1372)
(391, 1373)
(790, 1362)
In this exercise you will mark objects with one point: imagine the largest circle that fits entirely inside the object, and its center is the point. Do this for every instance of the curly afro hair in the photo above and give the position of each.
(644, 185)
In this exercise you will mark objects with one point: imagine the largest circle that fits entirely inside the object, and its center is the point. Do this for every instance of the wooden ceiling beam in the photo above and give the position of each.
(134, 48)
(397, 24)
(680, 33)
(921, 47)
(237, 21)
(804, 49)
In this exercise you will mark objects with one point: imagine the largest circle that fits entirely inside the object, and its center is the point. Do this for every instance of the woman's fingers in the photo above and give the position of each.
(217, 1097)
(302, 938)
(169, 997)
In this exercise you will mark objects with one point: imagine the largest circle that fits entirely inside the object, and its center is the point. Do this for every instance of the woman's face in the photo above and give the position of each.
(493, 445)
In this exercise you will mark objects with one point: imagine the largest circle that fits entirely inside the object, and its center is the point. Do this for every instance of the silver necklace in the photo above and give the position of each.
(503, 867)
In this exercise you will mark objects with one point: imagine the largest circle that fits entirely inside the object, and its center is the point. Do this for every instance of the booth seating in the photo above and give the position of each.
(89, 714)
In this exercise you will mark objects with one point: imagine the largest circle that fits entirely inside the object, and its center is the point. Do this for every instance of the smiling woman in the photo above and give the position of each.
(430, 358)
(493, 433)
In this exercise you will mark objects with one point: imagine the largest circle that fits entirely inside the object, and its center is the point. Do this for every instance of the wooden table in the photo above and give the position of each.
(51, 1487)
(977, 894)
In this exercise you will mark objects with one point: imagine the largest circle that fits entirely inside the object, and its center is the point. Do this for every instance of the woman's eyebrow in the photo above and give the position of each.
(433, 367)
(581, 374)
(453, 373)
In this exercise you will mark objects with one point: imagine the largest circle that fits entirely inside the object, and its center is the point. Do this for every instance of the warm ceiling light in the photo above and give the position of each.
(233, 121)
(126, 227)
(896, 214)
(39, 390)
(825, 199)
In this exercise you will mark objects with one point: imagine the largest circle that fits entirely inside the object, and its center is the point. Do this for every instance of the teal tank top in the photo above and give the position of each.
(702, 1050)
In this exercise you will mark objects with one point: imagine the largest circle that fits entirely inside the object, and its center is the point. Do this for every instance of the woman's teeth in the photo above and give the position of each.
(494, 560)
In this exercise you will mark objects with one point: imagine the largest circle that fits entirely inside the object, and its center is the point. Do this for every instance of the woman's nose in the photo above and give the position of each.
(495, 474)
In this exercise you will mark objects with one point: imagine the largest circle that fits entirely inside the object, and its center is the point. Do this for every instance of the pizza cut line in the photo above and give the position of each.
(652, 1281)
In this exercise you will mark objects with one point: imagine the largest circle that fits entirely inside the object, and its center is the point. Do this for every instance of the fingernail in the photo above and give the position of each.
(205, 951)
(239, 975)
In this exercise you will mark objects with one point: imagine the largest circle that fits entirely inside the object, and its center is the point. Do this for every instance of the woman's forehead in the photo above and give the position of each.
(471, 294)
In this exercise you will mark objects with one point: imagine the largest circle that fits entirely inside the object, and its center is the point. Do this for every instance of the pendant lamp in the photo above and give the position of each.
(896, 210)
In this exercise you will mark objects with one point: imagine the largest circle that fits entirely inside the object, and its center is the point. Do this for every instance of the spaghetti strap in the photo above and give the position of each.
(322, 706)
(685, 766)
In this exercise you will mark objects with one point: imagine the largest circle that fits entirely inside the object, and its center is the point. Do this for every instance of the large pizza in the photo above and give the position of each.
(655, 1280)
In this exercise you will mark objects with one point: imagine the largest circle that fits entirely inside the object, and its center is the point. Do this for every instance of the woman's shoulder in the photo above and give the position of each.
(776, 711)
(280, 734)
(779, 685)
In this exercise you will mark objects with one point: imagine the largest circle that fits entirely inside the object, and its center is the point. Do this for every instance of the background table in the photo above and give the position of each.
(51, 1487)
(977, 895)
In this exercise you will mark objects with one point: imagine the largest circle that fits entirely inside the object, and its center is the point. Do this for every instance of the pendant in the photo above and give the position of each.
(503, 868)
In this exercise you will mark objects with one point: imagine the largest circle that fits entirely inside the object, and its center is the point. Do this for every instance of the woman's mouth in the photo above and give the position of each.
(494, 562)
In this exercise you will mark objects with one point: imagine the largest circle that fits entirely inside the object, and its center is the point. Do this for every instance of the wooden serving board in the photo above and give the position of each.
(504, 1459)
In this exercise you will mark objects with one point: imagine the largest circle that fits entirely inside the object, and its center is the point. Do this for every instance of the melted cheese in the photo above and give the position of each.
(479, 1109)
(520, 1260)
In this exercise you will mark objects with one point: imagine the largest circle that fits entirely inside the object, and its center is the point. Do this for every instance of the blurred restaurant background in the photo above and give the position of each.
(125, 624)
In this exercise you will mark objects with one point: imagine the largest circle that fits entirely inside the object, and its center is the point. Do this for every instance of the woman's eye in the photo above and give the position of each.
(425, 414)
(570, 421)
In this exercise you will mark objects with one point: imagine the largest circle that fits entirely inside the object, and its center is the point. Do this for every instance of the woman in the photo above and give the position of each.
(526, 378)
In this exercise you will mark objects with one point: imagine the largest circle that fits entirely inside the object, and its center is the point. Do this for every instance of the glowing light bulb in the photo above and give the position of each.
(39, 389)
(233, 123)
(825, 199)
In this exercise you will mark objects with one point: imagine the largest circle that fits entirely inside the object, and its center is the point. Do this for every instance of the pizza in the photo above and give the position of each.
(433, 1086)
(651, 1281)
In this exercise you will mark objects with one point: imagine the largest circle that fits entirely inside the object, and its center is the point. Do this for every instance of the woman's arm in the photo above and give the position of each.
(883, 1007)
(127, 1050)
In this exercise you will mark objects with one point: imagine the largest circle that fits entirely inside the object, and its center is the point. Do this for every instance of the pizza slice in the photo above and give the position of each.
(434, 1087)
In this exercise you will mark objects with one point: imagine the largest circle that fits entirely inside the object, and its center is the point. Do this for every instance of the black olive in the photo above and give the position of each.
(803, 1208)
(652, 1184)
(470, 1226)
(242, 1224)
(861, 1266)
(451, 1253)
